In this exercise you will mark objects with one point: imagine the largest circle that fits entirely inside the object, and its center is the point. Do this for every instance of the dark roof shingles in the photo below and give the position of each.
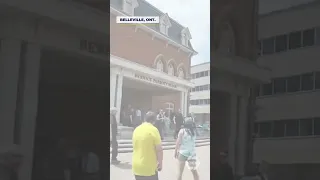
(146, 9)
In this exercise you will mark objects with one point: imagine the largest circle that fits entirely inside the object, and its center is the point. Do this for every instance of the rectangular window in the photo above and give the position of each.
(200, 88)
(317, 79)
(308, 37)
(206, 73)
(281, 43)
(265, 129)
(267, 89)
(307, 82)
(201, 102)
(317, 36)
(268, 46)
(207, 101)
(197, 88)
(293, 84)
(292, 128)
(278, 129)
(295, 40)
(306, 127)
(202, 74)
(279, 85)
(316, 126)
(197, 75)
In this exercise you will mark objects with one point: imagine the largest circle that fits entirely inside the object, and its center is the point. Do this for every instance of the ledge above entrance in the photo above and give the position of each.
(141, 70)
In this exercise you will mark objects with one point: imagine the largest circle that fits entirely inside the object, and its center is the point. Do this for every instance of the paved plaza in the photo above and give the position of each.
(123, 171)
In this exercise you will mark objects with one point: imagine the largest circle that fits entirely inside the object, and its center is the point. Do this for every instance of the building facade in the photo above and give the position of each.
(55, 74)
(234, 72)
(200, 94)
(150, 65)
(288, 123)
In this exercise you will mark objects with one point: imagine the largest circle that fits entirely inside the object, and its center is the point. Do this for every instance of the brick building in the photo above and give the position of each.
(55, 75)
(150, 64)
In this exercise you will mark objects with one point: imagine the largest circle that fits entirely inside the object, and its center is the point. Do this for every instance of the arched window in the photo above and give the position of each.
(171, 69)
(181, 73)
(159, 65)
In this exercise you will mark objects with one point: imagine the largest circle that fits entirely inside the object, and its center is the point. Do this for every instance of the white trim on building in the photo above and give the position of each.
(121, 68)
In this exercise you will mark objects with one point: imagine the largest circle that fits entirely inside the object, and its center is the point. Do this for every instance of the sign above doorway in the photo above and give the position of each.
(155, 81)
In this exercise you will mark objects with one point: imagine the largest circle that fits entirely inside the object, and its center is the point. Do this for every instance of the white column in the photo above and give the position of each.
(119, 95)
(116, 81)
(242, 136)
(113, 76)
(183, 103)
(233, 123)
(9, 75)
(29, 108)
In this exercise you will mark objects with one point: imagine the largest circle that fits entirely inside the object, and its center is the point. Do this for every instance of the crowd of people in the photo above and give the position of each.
(165, 121)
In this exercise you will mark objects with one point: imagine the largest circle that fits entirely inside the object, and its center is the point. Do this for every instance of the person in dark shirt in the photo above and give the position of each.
(114, 132)
(178, 121)
(223, 171)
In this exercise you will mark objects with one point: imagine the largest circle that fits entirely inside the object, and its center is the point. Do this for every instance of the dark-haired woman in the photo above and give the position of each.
(185, 151)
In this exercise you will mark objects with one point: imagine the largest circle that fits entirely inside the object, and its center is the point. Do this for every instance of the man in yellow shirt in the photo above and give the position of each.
(147, 150)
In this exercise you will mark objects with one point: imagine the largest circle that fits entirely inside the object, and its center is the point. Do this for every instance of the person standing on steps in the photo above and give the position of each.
(178, 121)
(159, 123)
(114, 132)
(147, 152)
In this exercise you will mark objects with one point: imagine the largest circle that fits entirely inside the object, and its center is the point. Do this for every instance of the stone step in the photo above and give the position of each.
(169, 140)
(164, 143)
(168, 147)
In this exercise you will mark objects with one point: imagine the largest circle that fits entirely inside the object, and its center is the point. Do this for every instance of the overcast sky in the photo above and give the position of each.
(194, 14)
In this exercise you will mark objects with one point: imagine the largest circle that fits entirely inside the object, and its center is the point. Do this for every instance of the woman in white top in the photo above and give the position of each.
(185, 150)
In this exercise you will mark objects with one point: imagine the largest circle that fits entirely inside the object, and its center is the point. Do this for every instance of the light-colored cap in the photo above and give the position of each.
(188, 120)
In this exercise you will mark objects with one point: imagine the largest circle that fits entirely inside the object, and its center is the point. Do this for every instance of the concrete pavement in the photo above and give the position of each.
(125, 146)
(123, 170)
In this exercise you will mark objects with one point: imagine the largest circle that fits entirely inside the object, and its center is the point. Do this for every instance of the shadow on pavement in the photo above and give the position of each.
(123, 165)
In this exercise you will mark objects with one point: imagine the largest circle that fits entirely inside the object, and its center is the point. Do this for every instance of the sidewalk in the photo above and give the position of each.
(125, 146)
(123, 171)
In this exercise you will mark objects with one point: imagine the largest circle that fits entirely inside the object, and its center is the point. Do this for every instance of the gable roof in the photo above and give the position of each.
(146, 9)
(166, 18)
(187, 32)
